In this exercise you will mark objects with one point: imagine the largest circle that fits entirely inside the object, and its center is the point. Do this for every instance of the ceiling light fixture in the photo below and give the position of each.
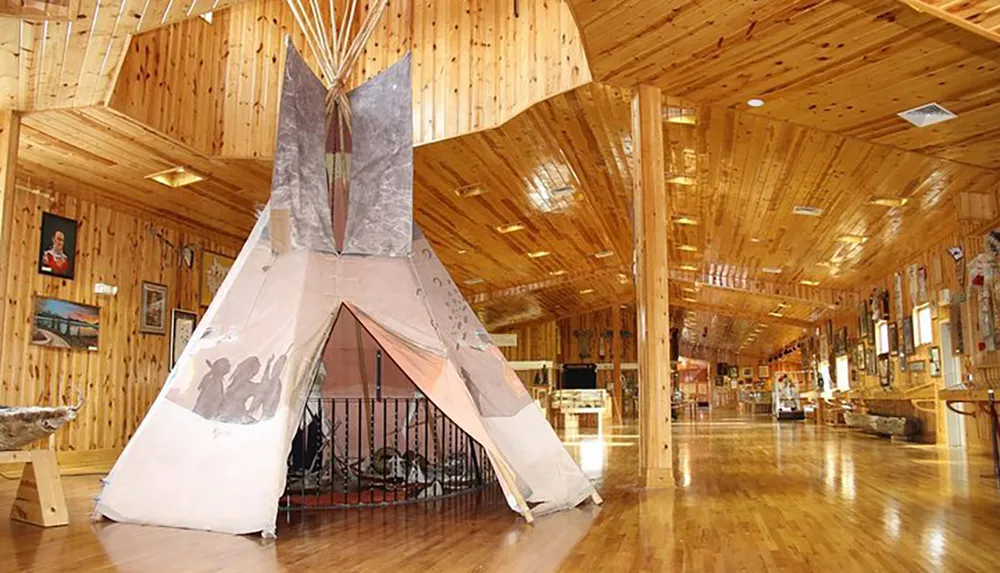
(685, 220)
(852, 239)
(775, 314)
(681, 180)
(688, 299)
(755, 102)
(504, 229)
(474, 281)
(687, 248)
(587, 291)
(461, 251)
(177, 177)
(558, 273)
(467, 191)
(689, 268)
(538, 254)
(889, 201)
(603, 254)
(771, 270)
(808, 282)
(807, 211)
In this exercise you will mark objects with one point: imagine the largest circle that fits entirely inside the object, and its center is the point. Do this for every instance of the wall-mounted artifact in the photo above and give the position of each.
(763, 371)
(57, 247)
(902, 362)
(911, 284)
(957, 326)
(893, 337)
(935, 361)
(922, 284)
(983, 270)
(840, 343)
(583, 342)
(746, 372)
(871, 367)
(885, 371)
(187, 256)
(918, 366)
(859, 356)
(63, 324)
(153, 309)
(734, 372)
(182, 325)
(897, 287)
(958, 254)
(214, 268)
(908, 344)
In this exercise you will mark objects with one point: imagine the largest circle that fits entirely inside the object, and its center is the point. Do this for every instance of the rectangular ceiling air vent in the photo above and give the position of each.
(807, 211)
(927, 115)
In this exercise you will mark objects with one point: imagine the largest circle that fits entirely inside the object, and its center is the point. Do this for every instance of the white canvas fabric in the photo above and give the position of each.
(211, 453)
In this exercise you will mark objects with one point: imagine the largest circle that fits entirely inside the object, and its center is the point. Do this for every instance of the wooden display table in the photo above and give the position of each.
(39, 500)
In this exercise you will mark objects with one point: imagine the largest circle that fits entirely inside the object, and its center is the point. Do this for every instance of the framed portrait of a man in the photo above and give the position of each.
(57, 247)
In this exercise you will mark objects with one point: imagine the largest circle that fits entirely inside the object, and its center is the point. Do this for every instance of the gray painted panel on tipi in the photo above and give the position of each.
(380, 208)
(299, 184)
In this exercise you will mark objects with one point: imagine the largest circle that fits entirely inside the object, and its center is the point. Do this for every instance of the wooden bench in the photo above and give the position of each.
(40, 499)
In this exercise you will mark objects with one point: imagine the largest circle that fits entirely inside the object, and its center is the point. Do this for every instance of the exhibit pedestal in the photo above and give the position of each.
(39, 500)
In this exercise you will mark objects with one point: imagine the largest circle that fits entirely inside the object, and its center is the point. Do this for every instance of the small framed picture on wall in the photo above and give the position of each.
(182, 325)
(57, 247)
(153, 309)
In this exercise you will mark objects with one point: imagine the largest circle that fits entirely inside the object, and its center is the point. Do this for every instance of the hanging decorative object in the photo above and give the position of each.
(982, 277)
(911, 279)
(897, 282)
(922, 284)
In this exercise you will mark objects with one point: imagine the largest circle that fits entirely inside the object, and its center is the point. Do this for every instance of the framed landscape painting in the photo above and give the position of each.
(64, 324)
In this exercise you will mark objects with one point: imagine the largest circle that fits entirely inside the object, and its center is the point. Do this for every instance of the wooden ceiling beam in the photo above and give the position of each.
(545, 284)
(977, 16)
(503, 327)
(736, 313)
(816, 296)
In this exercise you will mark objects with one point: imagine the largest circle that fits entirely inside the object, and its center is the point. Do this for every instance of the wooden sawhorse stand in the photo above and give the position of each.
(40, 499)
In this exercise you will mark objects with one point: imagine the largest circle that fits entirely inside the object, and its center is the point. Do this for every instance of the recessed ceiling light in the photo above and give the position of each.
(474, 281)
(538, 254)
(688, 289)
(755, 102)
(807, 211)
(461, 251)
(685, 220)
(754, 240)
(622, 278)
(603, 254)
(688, 299)
(808, 282)
(783, 305)
(687, 248)
(888, 201)
(558, 273)
(771, 270)
(177, 177)
(474, 190)
(852, 239)
(587, 291)
(688, 268)
(928, 114)
(510, 228)
(681, 180)
(776, 314)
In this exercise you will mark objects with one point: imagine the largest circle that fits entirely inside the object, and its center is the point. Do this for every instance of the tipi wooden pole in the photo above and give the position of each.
(10, 124)
(508, 477)
(651, 239)
(362, 362)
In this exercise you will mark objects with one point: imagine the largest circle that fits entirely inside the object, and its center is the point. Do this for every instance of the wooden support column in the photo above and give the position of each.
(616, 362)
(652, 221)
(10, 124)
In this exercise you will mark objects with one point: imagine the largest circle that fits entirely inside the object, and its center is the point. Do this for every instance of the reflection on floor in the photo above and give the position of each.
(752, 495)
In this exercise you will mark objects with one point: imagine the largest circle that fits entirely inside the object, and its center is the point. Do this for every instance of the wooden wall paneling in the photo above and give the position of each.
(123, 377)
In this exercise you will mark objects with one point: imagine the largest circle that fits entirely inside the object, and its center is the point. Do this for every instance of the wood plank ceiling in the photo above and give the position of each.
(833, 75)
(72, 60)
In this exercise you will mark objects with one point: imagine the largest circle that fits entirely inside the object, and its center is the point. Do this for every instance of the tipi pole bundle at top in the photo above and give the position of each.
(331, 43)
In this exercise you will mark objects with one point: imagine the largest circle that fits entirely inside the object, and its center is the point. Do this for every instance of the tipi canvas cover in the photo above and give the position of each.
(211, 453)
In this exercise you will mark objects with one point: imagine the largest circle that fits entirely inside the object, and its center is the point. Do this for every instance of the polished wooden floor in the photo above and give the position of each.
(752, 495)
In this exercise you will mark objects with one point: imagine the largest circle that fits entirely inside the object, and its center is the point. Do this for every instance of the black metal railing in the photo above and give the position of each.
(356, 452)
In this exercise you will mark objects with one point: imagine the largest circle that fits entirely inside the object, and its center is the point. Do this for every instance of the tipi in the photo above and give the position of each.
(211, 453)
